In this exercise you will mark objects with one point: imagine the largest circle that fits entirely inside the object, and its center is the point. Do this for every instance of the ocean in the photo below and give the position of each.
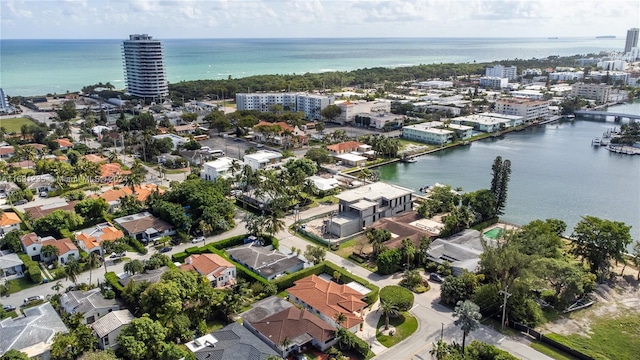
(38, 67)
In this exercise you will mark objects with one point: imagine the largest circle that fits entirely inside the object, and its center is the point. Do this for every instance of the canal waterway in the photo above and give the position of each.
(556, 173)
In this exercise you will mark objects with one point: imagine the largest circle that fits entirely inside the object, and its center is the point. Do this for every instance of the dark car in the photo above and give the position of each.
(166, 249)
(21, 202)
(8, 307)
(436, 277)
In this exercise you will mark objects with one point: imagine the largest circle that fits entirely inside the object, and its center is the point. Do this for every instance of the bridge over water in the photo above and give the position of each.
(604, 114)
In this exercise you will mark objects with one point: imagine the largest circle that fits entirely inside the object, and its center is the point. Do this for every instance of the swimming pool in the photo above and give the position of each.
(494, 233)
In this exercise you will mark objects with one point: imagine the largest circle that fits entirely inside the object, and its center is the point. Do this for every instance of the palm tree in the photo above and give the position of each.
(468, 318)
(134, 267)
(273, 224)
(388, 309)
(113, 156)
(72, 270)
(57, 286)
(206, 229)
(409, 250)
(284, 344)
(49, 252)
(340, 318)
(92, 260)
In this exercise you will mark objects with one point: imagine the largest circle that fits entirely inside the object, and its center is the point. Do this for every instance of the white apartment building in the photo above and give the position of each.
(263, 159)
(144, 73)
(310, 104)
(534, 72)
(352, 108)
(529, 94)
(223, 167)
(528, 109)
(493, 82)
(614, 76)
(488, 122)
(509, 72)
(566, 76)
(613, 65)
(598, 92)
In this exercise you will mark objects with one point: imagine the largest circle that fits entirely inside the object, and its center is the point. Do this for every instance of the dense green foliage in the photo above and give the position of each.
(397, 295)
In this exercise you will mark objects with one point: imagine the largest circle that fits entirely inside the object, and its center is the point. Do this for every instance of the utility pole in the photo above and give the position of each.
(504, 305)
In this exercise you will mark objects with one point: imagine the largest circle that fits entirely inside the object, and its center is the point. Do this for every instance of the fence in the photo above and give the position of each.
(549, 341)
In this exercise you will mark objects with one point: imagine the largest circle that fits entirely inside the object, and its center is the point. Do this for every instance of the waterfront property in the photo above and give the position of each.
(488, 122)
(361, 207)
(598, 92)
(461, 250)
(528, 109)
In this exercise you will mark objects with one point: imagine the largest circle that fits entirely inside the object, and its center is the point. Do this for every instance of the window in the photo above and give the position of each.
(105, 340)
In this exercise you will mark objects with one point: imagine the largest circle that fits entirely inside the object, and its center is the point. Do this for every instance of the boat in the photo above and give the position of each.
(409, 160)
(606, 37)
(595, 142)
(570, 116)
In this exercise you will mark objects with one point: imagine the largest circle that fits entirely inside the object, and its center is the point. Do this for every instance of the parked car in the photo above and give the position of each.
(436, 277)
(197, 239)
(33, 298)
(115, 256)
(44, 194)
(166, 249)
(176, 241)
(21, 202)
(8, 307)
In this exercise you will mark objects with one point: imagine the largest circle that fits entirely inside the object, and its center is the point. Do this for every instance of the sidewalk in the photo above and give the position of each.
(368, 332)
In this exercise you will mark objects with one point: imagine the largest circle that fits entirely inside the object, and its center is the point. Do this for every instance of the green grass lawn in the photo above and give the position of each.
(405, 325)
(551, 351)
(14, 125)
(19, 284)
(214, 325)
(611, 338)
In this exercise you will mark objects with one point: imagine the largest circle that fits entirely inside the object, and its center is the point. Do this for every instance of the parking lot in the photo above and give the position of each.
(232, 146)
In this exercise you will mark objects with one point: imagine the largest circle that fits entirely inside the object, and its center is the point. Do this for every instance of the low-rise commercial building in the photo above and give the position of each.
(598, 92)
(263, 159)
(526, 108)
(223, 167)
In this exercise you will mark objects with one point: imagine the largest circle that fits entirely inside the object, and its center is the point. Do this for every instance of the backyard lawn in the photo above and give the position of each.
(610, 338)
(19, 284)
(14, 125)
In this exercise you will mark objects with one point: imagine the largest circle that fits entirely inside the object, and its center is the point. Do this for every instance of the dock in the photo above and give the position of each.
(550, 120)
(623, 149)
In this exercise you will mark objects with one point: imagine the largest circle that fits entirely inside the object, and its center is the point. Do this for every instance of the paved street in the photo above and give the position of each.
(434, 319)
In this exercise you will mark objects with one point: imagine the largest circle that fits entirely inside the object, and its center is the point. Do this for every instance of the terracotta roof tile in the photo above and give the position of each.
(293, 323)
(207, 264)
(64, 245)
(64, 142)
(344, 146)
(9, 218)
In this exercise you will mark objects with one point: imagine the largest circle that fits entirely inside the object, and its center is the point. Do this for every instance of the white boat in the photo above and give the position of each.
(595, 142)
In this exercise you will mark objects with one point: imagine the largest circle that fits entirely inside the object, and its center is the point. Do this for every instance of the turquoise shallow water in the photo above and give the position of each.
(35, 67)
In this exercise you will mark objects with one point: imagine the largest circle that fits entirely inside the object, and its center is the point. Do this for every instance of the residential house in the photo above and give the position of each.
(324, 184)
(327, 298)
(185, 130)
(212, 266)
(223, 167)
(9, 221)
(6, 152)
(90, 240)
(279, 133)
(37, 212)
(359, 208)
(299, 326)
(232, 342)
(265, 261)
(150, 276)
(176, 140)
(461, 250)
(196, 157)
(112, 173)
(108, 327)
(65, 144)
(11, 265)
(33, 244)
(41, 183)
(263, 159)
(141, 193)
(91, 304)
(7, 187)
(145, 227)
(32, 333)
(93, 158)
(344, 147)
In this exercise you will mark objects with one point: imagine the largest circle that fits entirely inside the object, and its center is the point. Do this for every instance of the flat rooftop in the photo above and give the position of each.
(374, 191)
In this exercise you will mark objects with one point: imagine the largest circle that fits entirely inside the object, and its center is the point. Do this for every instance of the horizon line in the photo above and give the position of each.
(334, 38)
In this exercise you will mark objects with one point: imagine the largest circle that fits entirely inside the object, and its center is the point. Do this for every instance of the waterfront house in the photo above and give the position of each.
(344, 147)
(145, 227)
(461, 250)
(91, 304)
(359, 208)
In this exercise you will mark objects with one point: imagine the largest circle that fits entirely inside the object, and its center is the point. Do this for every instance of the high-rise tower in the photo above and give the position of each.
(632, 39)
(144, 70)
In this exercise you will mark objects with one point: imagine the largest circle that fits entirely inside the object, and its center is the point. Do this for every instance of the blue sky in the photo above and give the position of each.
(84, 19)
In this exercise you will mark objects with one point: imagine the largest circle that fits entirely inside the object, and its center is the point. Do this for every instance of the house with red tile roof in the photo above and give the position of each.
(64, 143)
(6, 152)
(113, 196)
(344, 147)
(212, 266)
(327, 298)
(33, 244)
(112, 173)
(273, 324)
(95, 158)
(281, 134)
(9, 221)
(91, 239)
(43, 210)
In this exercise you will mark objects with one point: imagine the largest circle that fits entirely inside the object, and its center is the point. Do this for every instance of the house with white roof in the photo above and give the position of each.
(324, 184)
(108, 327)
(223, 167)
(32, 333)
(263, 159)
(176, 140)
(11, 265)
(91, 304)
(361, 207)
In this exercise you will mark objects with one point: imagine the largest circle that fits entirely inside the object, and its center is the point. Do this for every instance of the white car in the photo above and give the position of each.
(197, 239)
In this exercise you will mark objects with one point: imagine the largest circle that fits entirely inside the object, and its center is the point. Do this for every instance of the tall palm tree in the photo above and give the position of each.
(57, 287)
(468, 318)
(134, 267)
(409, 251)
(388, 309)
(273, 224)
(340, 318)
(284, 344)
(72, 270)
(206, 229)
(92, 261)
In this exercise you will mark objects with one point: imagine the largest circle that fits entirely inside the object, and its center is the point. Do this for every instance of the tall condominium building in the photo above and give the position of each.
(632, 39)
(310, 104)
(144, 69)
(509, 72)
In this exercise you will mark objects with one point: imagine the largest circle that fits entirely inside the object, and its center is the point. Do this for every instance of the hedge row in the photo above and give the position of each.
(137, 245)
(398, 295)
(65, 233)
(112, 279)
(33, 270)
(357, 258)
